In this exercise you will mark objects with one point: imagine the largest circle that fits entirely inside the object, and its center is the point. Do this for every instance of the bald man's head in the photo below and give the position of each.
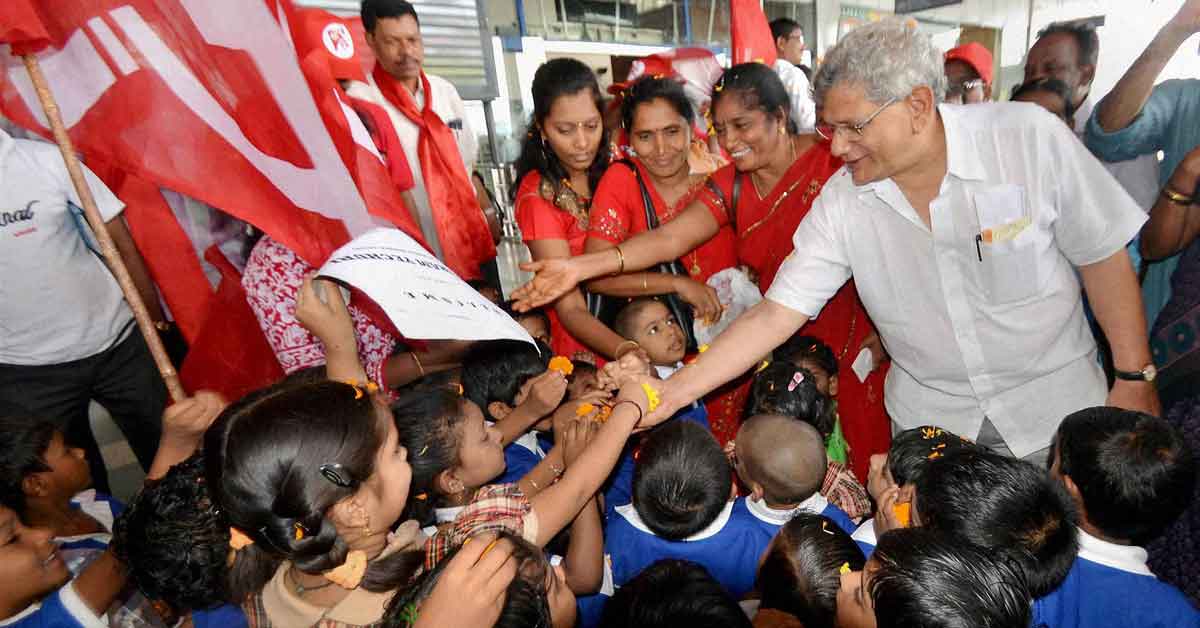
(785, 456)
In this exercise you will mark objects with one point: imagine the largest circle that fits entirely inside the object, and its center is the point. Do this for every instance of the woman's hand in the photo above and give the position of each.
(706, 306)
(472, 589)
(616, 373)
(552, 278)
(322, 311)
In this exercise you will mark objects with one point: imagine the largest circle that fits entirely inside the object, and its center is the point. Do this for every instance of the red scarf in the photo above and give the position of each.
(461, 227)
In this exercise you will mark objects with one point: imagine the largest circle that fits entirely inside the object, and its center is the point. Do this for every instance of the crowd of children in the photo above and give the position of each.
(525, 490)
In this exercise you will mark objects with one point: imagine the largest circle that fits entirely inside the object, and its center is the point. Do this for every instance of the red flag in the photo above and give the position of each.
(750, 33)
(180, 94)
(177, 94)
(21, 26)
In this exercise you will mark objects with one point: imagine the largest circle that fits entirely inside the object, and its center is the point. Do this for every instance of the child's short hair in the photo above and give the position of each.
(681, 480)
(495, 370)
(428, 423)
(912, 450)
(801, 572)
(1134, 471)
(1002, 503)
(625, 321)
(172, 539)
(784, 388)
(798, 349)
(673, 593)
(583, 367)
(525, 603)
(785, 456)
(929, 579)
(23, 444)
(268, 461)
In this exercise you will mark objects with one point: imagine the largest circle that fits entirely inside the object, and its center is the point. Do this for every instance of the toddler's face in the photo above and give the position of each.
(659, 335)
(30, 564)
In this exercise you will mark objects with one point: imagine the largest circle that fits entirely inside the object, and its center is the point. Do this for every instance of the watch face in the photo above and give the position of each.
(1150, 372)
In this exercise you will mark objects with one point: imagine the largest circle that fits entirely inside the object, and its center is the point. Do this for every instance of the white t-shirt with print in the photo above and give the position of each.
(58, 302)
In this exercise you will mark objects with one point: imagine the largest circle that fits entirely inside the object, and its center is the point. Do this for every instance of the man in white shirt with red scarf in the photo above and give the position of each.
(437, 139)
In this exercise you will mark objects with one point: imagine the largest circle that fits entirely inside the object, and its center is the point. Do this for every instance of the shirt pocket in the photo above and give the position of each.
(1007, 244)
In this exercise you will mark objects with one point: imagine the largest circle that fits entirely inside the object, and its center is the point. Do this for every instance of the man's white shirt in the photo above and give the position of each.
(982, 313)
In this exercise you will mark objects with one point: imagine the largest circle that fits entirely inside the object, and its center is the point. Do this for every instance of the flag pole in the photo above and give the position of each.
(107, 248)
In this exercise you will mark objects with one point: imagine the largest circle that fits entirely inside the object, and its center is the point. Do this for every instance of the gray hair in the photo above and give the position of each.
(888, 59)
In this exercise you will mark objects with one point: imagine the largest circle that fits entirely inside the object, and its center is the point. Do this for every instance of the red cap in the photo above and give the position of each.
(334, 38)
(976, 56)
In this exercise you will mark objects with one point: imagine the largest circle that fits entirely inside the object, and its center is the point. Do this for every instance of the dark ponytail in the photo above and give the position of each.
(555, 78)
(269, 462)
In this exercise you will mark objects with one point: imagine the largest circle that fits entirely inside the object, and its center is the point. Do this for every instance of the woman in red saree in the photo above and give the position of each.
(564, 155)
(778, 175)
(658, 118)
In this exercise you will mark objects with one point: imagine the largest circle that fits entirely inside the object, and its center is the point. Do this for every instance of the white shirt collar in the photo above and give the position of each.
(866, 533)
(816, 504)
(631, 515)
(665, 372)
(1130, 558)
(962, 157)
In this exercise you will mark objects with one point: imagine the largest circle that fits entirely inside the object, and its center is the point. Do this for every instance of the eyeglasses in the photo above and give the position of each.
(828, 131)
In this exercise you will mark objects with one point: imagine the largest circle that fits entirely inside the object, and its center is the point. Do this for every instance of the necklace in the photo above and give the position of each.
(671, 210)
(300, 589)
(791, 160)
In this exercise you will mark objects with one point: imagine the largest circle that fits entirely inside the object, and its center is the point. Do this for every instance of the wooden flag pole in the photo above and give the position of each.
(107, 248)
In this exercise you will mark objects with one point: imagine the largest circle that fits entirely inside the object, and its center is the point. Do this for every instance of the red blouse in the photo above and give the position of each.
(618, 213)
(540, 219)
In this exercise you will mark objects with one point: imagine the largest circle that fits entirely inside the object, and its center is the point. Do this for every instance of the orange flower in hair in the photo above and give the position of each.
(350, 573)
(239, 539)
(903, 513)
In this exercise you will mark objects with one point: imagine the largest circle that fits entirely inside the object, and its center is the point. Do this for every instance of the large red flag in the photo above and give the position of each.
(208, 98)
(750, 33)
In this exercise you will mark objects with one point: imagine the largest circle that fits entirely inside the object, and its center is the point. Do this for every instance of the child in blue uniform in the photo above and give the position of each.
(511, 384)
(1001, 504)
(921, 577)
(893, 476)
(682, 508)
(802, 570)
(781, 461)
(1130, 475)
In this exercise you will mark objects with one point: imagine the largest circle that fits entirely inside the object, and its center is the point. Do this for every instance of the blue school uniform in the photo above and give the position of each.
(866, 538)
(728, 548)
(771, 519)
(520, 457)
(768, 520)
(618, 488)
(61, 609)
(1110, 586)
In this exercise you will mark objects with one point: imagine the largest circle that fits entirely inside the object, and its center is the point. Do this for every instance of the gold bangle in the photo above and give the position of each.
(1176, 197)
(417, 361)
(620, 260)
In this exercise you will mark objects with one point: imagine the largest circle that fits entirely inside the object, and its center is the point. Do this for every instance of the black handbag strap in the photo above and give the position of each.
(652, 222)
(730, 203)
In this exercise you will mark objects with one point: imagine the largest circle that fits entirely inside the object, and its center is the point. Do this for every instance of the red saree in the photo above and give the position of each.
(764, 238)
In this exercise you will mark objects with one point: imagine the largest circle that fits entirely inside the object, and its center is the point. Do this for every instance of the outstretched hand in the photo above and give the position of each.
(552, 278)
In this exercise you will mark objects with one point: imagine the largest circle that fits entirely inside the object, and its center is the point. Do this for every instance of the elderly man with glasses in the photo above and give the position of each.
(967, 231)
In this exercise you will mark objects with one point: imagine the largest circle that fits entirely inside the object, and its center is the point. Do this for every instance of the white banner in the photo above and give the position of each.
(423, 298)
